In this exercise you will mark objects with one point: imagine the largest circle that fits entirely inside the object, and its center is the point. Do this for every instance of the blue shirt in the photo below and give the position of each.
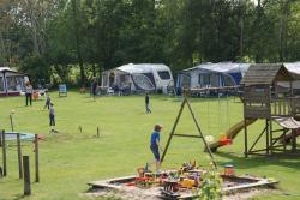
(154, 136)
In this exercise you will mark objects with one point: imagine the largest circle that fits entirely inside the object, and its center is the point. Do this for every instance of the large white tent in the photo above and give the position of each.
(212, 74)
(224, 74)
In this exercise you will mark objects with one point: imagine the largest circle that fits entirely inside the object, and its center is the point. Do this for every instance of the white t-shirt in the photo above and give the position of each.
(28, 89)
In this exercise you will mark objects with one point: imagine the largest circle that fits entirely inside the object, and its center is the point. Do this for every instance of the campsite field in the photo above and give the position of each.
(70, 159)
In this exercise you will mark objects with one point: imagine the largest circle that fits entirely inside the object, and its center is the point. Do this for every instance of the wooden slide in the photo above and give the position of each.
(231, 133)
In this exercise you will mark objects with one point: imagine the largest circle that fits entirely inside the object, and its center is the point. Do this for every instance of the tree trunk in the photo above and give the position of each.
(79, 57)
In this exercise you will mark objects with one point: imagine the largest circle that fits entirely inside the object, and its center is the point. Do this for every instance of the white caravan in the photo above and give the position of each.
(145, 76)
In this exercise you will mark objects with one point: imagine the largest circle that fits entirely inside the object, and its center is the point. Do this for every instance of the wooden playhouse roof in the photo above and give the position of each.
(266, 74)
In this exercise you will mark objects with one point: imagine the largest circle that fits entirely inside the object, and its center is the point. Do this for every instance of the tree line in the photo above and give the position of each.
(43, 37)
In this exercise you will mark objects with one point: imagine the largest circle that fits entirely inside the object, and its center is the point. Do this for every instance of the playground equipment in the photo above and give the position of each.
(17, 137)
(23, 136)
(266, 99)
(230, 134)
(185, 102)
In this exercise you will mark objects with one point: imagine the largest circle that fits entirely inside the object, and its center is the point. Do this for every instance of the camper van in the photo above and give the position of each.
(141, 76)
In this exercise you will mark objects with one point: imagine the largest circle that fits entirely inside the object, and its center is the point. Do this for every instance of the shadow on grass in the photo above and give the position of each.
(21, 196)
(23, 106)
(256, 161)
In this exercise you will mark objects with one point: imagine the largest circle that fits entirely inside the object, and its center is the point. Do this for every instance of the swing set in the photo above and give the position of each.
(200, 134)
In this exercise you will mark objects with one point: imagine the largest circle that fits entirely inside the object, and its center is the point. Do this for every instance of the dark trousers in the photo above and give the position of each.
(147, 108)
(47, 105)
(51, 120)
(28, 98)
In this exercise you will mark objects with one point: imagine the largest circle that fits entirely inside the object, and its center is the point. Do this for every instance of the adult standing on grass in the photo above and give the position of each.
(52, 117)
(155, 146)
(28, 93)
(94, 87)
(147, 103)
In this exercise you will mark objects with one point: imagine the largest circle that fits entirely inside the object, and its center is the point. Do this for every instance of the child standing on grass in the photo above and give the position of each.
(147, 102)
(155, 146)
(52, 117)
(47, 105)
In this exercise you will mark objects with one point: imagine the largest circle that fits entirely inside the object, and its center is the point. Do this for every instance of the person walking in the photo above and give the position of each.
(52, 117)
(28, 93)
(47, 105)
(94, 87)
(155, 146)
(147, 103)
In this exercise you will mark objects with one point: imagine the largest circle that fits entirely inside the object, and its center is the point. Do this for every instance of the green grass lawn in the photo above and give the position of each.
(70, 159)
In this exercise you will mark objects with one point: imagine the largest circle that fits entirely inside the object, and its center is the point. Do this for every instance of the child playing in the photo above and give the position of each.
(51, 117)
(147, 102)
(47, 102)
(155, 146)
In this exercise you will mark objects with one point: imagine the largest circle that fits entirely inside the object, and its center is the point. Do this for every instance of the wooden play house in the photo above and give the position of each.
(268, 95)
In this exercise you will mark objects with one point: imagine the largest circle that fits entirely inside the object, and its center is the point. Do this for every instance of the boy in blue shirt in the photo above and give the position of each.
(155, 146)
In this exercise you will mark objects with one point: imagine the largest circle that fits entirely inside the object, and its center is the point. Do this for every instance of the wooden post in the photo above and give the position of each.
(11, 123)
(3, 152)
(267, 137)
(271, 137)
(246, 139)
(294, 140)
(98, 132)
(36, 150)
(19, 157)
(26, 165)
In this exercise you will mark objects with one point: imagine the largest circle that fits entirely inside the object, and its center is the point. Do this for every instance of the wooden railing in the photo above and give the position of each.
(285, 106)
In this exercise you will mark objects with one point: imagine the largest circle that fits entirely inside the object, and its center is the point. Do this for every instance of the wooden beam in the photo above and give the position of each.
(187, 135)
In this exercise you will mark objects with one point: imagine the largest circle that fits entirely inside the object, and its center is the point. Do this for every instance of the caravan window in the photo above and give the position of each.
(150, 76)
(20, 83)
(124, 79)
(228, 80)
(204, 79)
(185, 81)
(104, 79)
(11, 83)
(111, 79)
(214, 80)
(165, 75)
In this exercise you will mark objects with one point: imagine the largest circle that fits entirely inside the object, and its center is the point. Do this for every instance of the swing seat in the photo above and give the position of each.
(224, 142)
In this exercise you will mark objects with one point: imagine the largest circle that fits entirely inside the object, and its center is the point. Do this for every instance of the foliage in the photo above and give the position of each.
(109, 33)
(36, 66)
(212, 185)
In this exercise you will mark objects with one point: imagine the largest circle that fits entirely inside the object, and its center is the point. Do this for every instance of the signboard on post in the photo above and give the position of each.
(62, 90)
